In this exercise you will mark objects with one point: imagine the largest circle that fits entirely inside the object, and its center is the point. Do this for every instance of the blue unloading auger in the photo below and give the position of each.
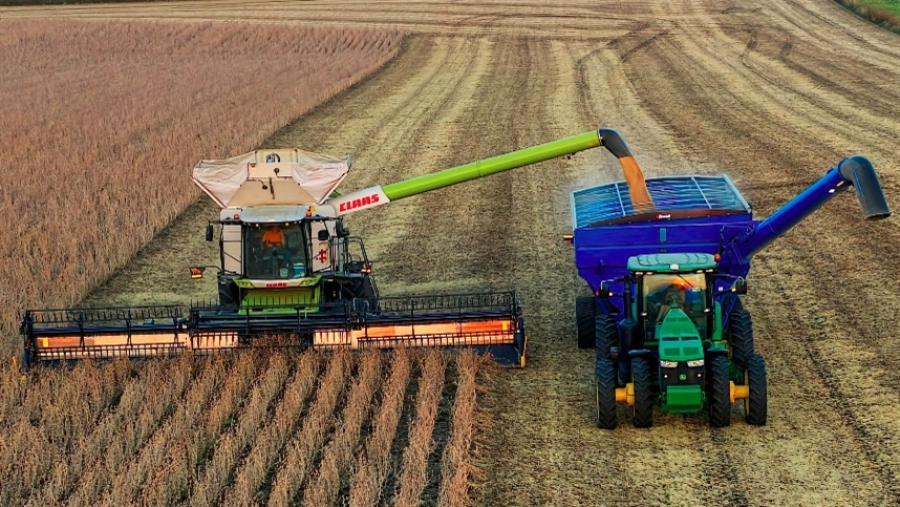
(666, 319)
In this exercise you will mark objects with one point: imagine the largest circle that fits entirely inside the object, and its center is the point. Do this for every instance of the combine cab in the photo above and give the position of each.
(291, 275)
(666, 319)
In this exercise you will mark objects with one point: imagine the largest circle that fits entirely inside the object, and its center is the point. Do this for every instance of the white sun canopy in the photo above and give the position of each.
(266, 177)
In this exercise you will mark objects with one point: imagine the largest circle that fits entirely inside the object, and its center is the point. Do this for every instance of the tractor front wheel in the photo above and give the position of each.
(585, 315)
(719, 392)
(642, 411)
(756, 406)
(606, 394)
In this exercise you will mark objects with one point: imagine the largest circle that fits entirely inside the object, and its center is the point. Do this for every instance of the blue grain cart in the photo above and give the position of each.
(668, 273)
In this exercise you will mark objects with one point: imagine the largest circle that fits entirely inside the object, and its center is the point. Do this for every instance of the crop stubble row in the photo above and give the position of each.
(255, 428)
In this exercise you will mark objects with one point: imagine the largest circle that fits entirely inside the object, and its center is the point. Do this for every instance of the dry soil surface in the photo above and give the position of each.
(773, 93)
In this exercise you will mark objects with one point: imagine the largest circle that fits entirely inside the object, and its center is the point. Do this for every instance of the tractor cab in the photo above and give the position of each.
(672, 294)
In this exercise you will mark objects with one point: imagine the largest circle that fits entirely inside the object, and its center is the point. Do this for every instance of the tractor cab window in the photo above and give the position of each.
(275, 251)
(664, 292)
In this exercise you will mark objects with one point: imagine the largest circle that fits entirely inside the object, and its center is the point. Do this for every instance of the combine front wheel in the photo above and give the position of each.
(642, 411)
(606, 394)
(719, 392)
(756, 405)
(585, 315)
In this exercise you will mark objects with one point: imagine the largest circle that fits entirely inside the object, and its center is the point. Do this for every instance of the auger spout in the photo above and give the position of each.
(375, 196)
(854, 171)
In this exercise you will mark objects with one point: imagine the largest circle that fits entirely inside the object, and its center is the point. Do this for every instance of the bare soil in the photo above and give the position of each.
(773, 93)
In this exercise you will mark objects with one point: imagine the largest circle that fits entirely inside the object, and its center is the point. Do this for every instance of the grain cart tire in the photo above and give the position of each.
(719, 392)
(756, 406)
(642, 411)
(606, 394)
(607, 335)
(585, 316)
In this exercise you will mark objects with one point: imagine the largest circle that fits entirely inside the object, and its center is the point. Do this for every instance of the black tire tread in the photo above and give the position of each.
(585, 316)
(741, 325)
(719, 392)
(756, 407)
(642, 413)
(606, 394)
(607, 335)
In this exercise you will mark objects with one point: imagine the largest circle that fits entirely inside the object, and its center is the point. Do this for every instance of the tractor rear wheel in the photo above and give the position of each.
(607, 335)
(719, 392)
(739, 332)
(606, 394)
(642, 411)
(585, 316)
(741, 326)
(756, 406)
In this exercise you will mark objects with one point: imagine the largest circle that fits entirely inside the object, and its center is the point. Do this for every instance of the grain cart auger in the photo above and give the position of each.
(291, 274)
(666, 319)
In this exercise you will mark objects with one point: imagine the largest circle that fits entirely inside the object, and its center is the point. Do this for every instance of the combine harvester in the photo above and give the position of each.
(667, 260)
(291, 275)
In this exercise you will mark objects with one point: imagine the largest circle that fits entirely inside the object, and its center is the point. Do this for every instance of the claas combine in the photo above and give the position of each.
(666, 260)
(291, 274)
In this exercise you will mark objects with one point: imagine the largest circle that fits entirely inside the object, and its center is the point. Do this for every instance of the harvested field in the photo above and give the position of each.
(114, 113)
(773, 93)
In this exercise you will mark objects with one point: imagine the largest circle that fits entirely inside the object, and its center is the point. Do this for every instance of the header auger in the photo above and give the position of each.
(666, 319)
(290, 274)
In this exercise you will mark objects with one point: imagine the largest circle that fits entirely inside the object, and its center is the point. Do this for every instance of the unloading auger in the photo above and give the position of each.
(290, 274)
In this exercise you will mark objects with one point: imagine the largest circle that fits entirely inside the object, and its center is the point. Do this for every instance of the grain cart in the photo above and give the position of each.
(667, 273)
(290, 273)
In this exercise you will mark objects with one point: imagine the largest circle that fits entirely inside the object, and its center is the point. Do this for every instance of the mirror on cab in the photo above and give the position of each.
(323, 235)
(740, 286)
(209, 231)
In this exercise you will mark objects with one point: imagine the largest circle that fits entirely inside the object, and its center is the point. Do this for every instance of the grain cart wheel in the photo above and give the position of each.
(719, 392)
(606, 394)
(756, 406)
(585, 315)
(642, 411)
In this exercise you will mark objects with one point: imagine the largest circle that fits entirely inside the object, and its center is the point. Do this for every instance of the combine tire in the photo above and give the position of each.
(585, 315)
(606, 394)
(642, 411)
(719, 392)
(755, 407)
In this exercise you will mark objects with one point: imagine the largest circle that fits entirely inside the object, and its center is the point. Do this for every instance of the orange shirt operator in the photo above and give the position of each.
(273, 237)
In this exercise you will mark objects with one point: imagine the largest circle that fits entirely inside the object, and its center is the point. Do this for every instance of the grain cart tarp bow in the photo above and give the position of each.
(666, 319)
(290, 273)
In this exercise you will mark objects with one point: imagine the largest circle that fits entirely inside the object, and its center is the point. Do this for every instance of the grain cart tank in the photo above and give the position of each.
(666, 319)
(290, 274)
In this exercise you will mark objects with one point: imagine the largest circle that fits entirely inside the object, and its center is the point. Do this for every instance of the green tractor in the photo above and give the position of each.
(686, 350)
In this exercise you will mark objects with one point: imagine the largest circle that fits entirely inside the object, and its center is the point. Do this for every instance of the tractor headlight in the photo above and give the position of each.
(669, 364)
(696, 363)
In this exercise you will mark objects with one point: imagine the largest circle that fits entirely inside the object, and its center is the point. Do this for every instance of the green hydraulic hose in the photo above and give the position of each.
(492, 165)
